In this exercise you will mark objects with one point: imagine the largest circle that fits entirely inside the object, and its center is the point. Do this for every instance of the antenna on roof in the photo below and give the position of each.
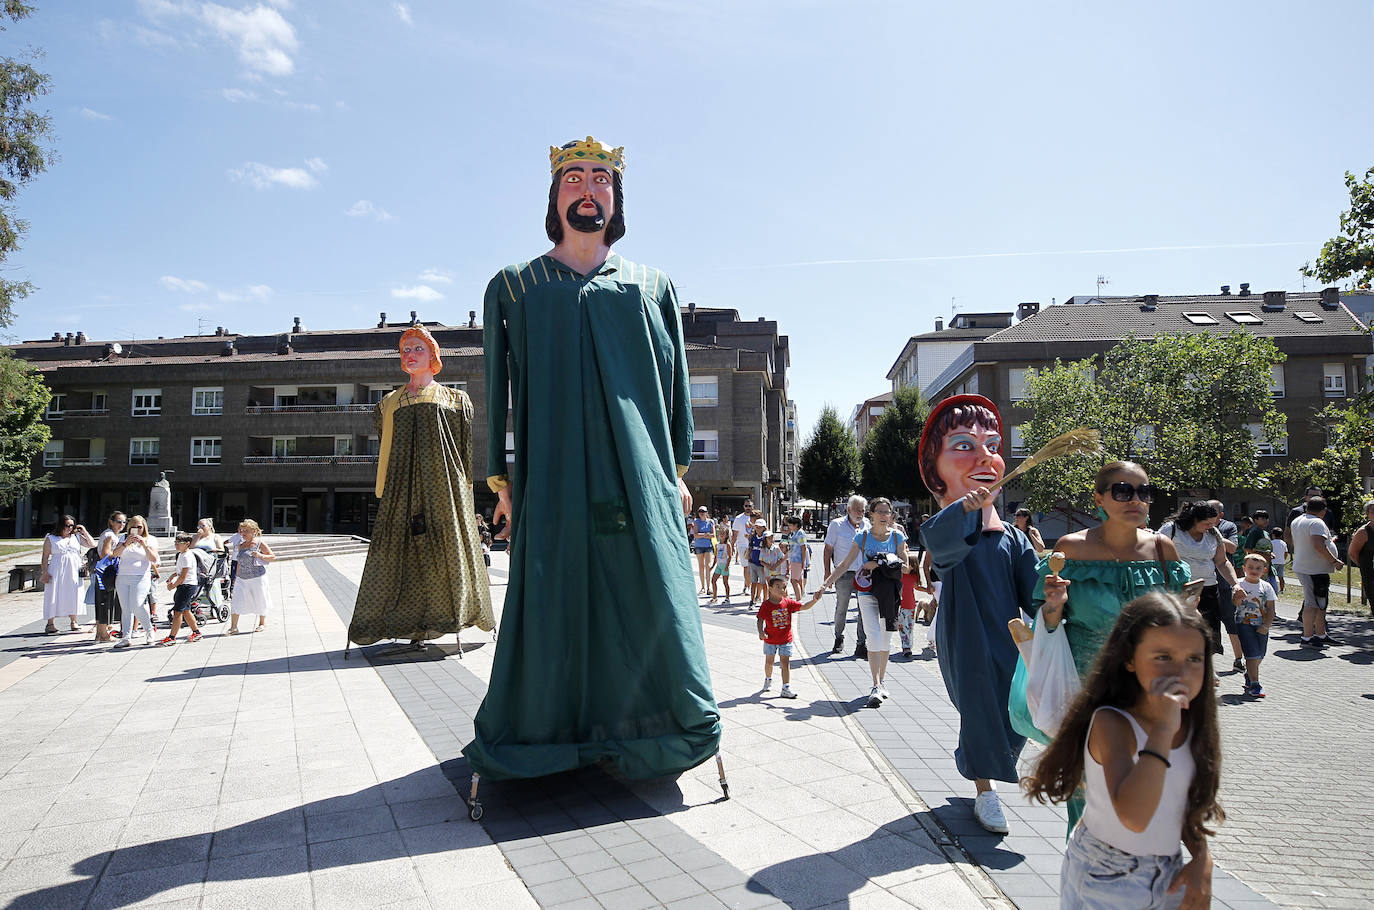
(201, 323)
(1102, 282)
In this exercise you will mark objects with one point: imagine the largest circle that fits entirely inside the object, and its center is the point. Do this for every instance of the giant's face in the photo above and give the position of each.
(586, 198)
(970, 457)
(415, 358)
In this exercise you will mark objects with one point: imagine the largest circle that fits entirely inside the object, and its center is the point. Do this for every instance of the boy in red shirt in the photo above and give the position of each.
(775, 631)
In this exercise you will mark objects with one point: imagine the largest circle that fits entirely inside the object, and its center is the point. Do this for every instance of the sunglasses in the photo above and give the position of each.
(69, 526)
(1124, 492)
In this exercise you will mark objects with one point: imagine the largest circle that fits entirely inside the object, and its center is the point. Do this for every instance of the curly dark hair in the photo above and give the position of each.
(615, 227)
(968, 415)
(1059, 771)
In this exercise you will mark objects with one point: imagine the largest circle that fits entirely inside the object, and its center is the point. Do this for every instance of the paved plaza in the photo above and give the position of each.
(265, 770)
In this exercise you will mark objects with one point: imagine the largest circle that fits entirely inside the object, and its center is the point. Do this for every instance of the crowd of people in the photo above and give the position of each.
(115, 576)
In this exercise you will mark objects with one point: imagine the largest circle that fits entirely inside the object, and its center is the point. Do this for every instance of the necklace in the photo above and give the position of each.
(1115, 555)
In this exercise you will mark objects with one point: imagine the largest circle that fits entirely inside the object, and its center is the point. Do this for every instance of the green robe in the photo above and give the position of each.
(600, 654)
(423, 586)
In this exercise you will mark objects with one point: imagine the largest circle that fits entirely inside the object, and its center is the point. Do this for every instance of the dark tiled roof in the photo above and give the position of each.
(1110, 318)
(142, 360)
(975, 334)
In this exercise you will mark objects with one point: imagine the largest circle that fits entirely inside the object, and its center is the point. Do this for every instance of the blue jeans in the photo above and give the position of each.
(1097, 876)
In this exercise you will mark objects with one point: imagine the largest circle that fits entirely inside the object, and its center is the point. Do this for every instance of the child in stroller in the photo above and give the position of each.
(208, 602)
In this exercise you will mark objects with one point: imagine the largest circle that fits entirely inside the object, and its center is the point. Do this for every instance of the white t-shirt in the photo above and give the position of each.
(108, 535)
(134, 561)
(1250, 611)
(1200, 555)
(839, 536)
(1305, 557)
(188, 562)
(740, 525)
(1280, 549)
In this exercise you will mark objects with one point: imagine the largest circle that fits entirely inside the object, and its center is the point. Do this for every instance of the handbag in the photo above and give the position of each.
(1051, 677)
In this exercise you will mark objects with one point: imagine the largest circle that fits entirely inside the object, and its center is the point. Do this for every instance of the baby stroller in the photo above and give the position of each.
(208, 602)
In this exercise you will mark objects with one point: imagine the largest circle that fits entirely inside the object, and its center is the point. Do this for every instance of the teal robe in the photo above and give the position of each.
(600, 654)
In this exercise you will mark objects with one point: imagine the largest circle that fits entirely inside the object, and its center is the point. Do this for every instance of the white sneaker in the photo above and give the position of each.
(787, 692)
(882, 690)
(767, 683)
(875, 698)
(987, 808)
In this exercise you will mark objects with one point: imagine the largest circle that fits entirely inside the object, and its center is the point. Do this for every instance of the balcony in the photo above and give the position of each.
(310, 459)
(308, 409)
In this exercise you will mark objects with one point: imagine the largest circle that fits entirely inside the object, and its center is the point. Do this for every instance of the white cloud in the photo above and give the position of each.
(403, 11)
(317, 165)
(261, 176)
(183, 285)
(252, 292)
(420, 292)
(342, 105)
(238, 95)
(94, 115)
(265, 39)
(363, 208)
(434, 276)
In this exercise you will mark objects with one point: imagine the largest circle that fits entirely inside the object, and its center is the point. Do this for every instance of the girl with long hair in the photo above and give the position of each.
(1142, 739)
(1193, 531)
(1023, 520)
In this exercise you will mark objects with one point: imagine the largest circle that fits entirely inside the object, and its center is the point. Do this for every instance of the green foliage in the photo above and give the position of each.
(1177, 404)
(1350, 254)
(23, 434)
(1350, 432)
(889, 459)
(25, 151)
(829, 466)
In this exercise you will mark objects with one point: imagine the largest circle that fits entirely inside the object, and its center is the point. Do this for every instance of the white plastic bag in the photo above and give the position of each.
(1051, 677)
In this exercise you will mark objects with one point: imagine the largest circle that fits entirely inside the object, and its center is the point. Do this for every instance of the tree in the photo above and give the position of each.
(1350, 254)
(1183, 406)
(23, 434)
(24, 150)
(1336, 471)
(889, 459)
(829, 465)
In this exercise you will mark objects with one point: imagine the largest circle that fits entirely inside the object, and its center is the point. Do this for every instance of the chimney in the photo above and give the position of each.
(1226, 290)
(219, 331)
(414, 319)
(229, 350)
(80, 337)
(67, 342)
(56, 336)
(1149, 303)
(761, 319)
(297, 327)
(1331, 298)
(1274, 301)
(1024, 310)
(381, 322)
(692, 311)
(472, 319)
(939, 324)
(1245, 289)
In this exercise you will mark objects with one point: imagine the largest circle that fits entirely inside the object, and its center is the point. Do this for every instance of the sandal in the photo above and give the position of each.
(232, 632)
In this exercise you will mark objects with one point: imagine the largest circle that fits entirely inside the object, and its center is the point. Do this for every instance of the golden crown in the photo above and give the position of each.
(590, 151)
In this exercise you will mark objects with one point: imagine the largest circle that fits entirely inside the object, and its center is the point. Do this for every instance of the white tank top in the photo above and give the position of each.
(1198, 554)
(1165, 831)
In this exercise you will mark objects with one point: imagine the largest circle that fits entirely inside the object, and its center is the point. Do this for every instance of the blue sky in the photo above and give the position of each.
(853, 170)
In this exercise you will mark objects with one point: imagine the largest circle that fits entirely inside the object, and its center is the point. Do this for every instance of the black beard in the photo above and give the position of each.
(586, 224)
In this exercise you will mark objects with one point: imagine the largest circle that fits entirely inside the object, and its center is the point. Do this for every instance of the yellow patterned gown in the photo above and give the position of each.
(423, 585)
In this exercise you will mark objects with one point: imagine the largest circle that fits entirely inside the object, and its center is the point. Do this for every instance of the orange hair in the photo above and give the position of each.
(422, 333)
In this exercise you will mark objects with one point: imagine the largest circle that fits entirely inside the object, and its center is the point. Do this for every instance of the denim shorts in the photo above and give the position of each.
(1252, 644)
(783, 650)
(1097, 876)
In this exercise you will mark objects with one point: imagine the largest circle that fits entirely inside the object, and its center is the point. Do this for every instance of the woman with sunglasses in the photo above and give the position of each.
(63, 553)
(1105, 567)
(1023, 521)
(137, 554)
(1194, 532)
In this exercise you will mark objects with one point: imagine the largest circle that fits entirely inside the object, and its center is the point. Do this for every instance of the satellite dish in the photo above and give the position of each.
(116, 348)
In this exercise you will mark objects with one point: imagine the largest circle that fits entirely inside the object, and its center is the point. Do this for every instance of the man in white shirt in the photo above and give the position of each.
(839, 538)
(740, 528)
(1314, 558)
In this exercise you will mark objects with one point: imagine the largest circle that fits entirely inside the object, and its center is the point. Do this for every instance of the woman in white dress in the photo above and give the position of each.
(64, 551)
(251, 594)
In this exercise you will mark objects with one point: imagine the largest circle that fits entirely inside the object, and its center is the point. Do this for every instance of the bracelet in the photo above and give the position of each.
(1167, 764)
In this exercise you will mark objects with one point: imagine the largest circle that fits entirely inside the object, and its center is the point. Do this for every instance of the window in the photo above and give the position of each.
(207, 401)
(705, 391)
(1143, 439)
(143, 451)
(1276, 380)
(56, 405)
(100, 401)
(1263, 444)
(706, 445)
(1333, 380)
(1018, 442)
(147, 403)
(1307, 316)
(1243, 318)
(52, 454)
(343, 445)
(377, 393)
(1200, 319)
(875, 412)
(206, 449)
(1016, 383)
(457, 385)
(374, 446)
(283, 446)
(285, 401)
